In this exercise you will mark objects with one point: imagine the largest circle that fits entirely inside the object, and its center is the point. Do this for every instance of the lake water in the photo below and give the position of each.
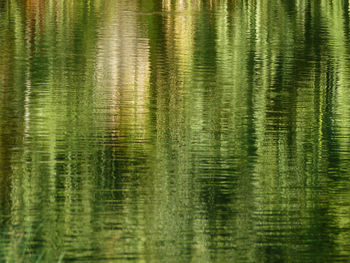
(175, 131)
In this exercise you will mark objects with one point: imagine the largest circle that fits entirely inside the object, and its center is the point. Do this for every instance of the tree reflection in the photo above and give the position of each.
(176, 130)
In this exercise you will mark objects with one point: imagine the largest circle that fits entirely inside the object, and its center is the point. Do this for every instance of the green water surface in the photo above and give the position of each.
(175, 131)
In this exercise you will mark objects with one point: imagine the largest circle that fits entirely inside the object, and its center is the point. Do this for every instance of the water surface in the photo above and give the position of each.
(175, 131)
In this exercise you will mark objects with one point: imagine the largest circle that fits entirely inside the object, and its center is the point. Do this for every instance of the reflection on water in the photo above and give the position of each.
(175, 131)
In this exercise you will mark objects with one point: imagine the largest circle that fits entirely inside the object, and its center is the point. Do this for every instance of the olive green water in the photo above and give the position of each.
(174, 131)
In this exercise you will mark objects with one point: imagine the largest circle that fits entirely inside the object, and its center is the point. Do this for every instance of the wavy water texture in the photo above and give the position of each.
(175, 131)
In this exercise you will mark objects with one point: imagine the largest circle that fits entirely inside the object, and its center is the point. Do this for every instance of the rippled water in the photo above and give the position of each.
(175, 131)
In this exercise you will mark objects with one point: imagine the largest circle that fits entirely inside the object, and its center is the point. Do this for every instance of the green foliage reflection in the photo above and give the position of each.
(175, 131)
